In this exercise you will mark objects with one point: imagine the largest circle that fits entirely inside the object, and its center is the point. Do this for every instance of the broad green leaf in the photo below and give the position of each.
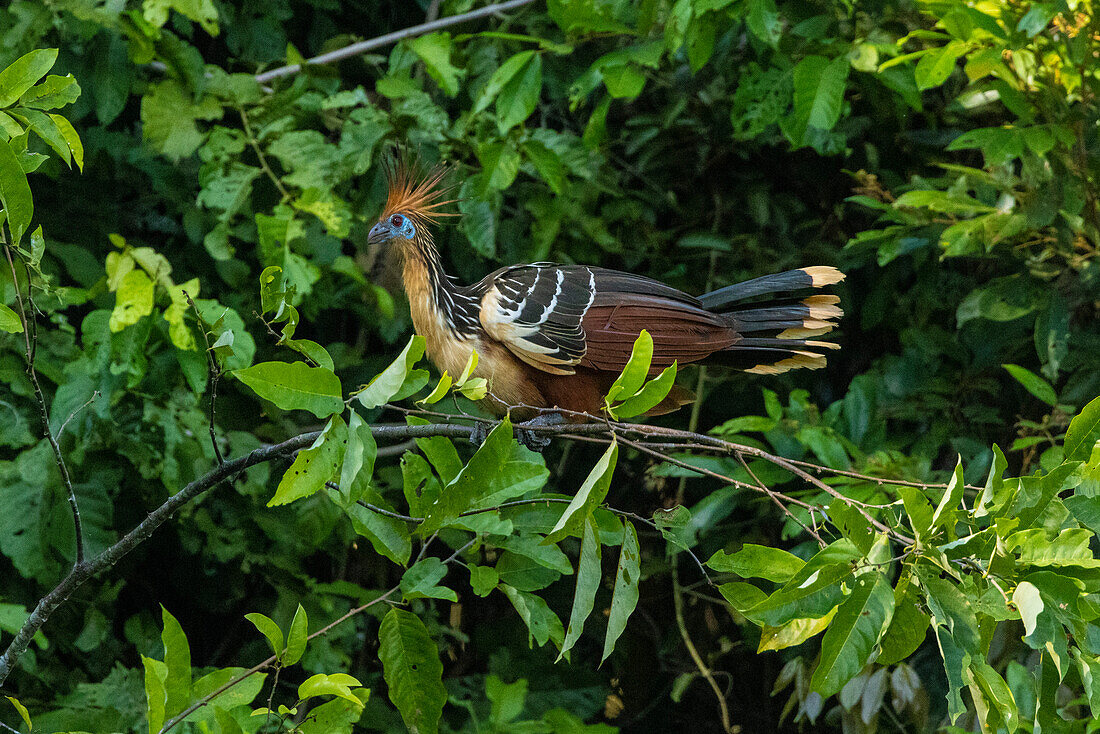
(336, 684)
(917, 508)
(483, 579)
(652, 393)
(956, 661)
(908, 627)
(314, 466)
(15, 193)
(952, 496)
(1034, 384)
(506, 699)
(519, 95)
(951, 609)
(155, 696)
(625, 596)
(359, 456)
(422, 581)
(859, 623)
(22, 74)
(388, 536)
(336, 716)
(1090, 677)
(941, 201)
(1030, 604)
(935, 66)
(758, 561)
(23, 713)
(635, 371)
(812, 591)
(53, 92)
(993, 483)
(793, 633)
(742, 595)
(412, 669)
(1069, 548)
(542, 624)
(133, 300)
(297, 637)
(500, 470)
(435, 51)
(10, 321)
(391, 380)
(994, 691)
(72, 139)
(589, 575)
(440, 451)
(295, 386)
(244, 692)
(818, 95)
(177, 661)
(1083, 433)
(268, 629)
(588, 497)
(45, 128)
(500, 77)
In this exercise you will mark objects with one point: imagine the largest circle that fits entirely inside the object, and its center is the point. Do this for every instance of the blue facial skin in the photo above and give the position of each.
(397, 225)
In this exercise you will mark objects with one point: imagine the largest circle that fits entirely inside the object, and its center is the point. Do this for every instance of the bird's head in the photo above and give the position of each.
(412, 203)
(394, 225)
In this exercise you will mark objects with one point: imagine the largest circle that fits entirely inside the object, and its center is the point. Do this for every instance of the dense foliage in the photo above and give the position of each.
(903, 541)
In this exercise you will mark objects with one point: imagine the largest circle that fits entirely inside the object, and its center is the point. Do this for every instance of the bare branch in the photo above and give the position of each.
(30, 340)
(363, 47)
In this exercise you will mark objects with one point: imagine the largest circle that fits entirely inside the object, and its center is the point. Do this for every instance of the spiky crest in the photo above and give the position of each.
(416, 195)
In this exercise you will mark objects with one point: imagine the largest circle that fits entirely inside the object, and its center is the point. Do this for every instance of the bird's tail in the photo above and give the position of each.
(777, 332)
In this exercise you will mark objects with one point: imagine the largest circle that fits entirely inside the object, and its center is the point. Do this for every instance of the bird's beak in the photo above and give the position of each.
(379, 233)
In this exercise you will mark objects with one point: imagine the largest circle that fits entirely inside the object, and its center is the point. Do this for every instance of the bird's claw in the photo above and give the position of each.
(532, 439)
(479, 433)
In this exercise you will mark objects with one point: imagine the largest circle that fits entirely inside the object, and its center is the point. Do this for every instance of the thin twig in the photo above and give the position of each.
(704, 669)
(29, 327)
(820, 541)
(76, 411)
(205, 700)
(363, 47)
(214, 373)
(264, 166)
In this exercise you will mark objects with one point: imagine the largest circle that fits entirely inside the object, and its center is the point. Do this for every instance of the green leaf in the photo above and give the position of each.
(519, 95)
(812, 591)
(392, 380)
(387, 535)
(935, 66)
(268, 629)
(133, 300)
(625, 596)
(952, 496)
(1034, 384)
(297, 638)
(177, 661)
(908, 627)
(918, 509)
(542, 624)
(22, 74)
(500, 470)
(23, 713)
(412, 669)
(336, 684)
(440, 451)
(1084, 432)
(439, 391)
(435, 51)
(793, 633)
(951, 609)
(155, 696)
(589, 575)
(422, 581)
(758, 561)
(359, 457)
(652, 393)
(10, 321)
(295, 386)
(635, 371)
(483, 579)
(55, 91)
(590, 496)
(500, 77)
(818, 96)
(15, 193)
(853, 634)
(44, 126)
(313, 466)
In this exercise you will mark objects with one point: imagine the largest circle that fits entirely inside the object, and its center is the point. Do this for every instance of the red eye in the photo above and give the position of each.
(397, 220)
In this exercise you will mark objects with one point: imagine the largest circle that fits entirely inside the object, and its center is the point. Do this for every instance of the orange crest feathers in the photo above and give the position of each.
(417, 196)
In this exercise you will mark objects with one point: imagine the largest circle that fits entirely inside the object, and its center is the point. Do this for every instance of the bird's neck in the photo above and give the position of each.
(438, 303)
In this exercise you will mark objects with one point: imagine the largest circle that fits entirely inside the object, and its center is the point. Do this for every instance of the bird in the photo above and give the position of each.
(552, 339)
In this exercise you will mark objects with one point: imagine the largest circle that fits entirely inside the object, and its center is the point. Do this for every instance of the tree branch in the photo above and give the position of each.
(30, 336)
(363, 47)
(652, 435)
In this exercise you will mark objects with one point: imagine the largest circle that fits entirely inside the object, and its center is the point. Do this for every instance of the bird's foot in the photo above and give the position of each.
(480, 433)
(531, 438)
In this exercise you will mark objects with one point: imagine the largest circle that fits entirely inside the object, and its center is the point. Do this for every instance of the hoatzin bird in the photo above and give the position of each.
(556, 336)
